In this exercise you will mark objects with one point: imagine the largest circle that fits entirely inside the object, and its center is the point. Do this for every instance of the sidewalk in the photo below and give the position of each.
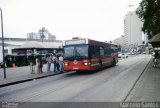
(21, 74)
(147, 88)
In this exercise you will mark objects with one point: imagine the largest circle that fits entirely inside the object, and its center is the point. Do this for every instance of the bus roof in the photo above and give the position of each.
(86, 41)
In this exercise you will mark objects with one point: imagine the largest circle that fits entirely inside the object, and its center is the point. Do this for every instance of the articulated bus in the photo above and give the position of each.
(88, 55)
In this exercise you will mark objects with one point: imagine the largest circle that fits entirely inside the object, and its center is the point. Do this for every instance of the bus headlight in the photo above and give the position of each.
(86, 63)
(65, 64)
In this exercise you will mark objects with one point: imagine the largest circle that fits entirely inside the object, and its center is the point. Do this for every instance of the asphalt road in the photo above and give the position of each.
(110, 85)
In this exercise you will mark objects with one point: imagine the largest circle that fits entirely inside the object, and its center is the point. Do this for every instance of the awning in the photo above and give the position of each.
(155, 41)
(42, 45)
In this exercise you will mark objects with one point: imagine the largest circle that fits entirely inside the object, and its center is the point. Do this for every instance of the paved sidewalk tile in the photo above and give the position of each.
(147, 89)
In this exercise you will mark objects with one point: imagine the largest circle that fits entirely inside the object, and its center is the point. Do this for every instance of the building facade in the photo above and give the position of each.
(41, 34)
(121, 41)
(132, 30)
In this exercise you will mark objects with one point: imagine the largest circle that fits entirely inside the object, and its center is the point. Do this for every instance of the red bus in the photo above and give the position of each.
(88, 55)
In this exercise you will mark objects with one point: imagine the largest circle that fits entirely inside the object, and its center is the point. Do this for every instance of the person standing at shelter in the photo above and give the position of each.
(49, 61)
(41, 65)
(57, 63)
(54, 59)
(32, 66)
(37, 65)
(61, 63)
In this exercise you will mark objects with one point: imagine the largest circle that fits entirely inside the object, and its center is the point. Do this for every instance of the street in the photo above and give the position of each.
(112, 84)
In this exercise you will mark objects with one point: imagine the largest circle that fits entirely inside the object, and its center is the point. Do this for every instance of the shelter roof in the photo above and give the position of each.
(155, 41)
(35, 44)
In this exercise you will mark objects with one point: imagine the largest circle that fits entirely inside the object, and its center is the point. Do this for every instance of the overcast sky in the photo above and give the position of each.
(96, 19)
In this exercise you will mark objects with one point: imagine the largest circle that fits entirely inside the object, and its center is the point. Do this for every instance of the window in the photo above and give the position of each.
(107, 51)
(95, 50)
(69, 52)
(76, 52)
(101, 50)
(82, 51)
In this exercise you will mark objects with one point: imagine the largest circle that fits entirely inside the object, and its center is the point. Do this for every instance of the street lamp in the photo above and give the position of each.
(42, 31)
(3, 44)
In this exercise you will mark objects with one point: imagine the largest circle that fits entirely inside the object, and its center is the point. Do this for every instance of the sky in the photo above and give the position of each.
(101, 20)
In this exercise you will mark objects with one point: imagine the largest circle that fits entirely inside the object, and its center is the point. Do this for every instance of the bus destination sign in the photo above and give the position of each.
(74, 42)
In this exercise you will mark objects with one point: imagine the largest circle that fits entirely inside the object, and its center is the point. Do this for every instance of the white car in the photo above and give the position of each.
(119, 55)
(124, 55)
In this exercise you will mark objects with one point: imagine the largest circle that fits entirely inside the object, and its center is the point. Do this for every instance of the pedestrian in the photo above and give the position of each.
(49, 61)
(54, 59)
(31, 67)
(61, 63)
(37, 65)
(156, 55)
(32, 64)
(41, 65)
(57, 63)
(155, 59)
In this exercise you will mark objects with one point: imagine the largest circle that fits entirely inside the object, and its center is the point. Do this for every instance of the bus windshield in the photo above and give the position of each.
(76, 52)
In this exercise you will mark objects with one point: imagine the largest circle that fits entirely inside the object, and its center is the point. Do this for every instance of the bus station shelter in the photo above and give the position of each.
(155, 41)
(41, 47)
(27, 52)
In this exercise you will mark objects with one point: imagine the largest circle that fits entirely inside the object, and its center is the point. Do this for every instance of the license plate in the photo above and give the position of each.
(75, 68)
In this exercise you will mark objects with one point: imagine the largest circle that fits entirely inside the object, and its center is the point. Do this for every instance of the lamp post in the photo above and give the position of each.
(3, 44)
(42, 31)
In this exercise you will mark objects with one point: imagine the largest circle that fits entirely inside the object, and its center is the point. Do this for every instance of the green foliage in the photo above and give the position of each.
(149, 12)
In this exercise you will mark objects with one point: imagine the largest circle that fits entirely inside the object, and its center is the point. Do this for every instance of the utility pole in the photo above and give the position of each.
(4, 68)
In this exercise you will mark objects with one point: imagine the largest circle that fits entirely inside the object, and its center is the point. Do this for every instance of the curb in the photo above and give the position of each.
(29, 79)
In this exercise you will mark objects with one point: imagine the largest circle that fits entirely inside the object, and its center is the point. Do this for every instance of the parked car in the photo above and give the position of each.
(119, 55)
(124, 55)
(143, 52)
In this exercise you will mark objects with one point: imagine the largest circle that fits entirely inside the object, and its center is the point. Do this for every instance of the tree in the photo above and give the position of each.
(149, 12)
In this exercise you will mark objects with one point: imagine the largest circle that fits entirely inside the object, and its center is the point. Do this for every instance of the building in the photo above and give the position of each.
(121, 41)
(42, 34)
(132, 30)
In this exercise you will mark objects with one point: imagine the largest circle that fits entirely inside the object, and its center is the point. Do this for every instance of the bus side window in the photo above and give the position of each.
(107, 51)
(95, 50)
(92, 51)
(101, 50)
